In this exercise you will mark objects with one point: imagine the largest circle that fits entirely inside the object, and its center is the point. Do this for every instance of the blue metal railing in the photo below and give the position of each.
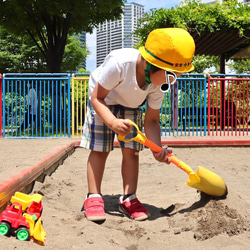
(183, 111)
(36, 105)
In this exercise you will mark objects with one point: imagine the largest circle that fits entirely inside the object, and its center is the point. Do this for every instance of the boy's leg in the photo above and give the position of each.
(94, 204)
(95, 169)
(130, 151)
(99, 139)
(129, 204)
(130, 170)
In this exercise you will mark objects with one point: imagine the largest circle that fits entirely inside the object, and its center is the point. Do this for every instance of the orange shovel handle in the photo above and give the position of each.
(141, 138)
(152, 146)
(174, 160)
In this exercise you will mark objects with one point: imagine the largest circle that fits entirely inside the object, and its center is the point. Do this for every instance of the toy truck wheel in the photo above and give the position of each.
(22, 233)
(4, 228)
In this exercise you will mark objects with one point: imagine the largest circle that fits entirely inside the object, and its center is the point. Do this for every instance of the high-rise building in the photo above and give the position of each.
(118, 34)
(82, 38)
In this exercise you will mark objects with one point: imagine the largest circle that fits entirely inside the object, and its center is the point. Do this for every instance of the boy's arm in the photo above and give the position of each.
(152, 126)
(120, 126)
(153, 132)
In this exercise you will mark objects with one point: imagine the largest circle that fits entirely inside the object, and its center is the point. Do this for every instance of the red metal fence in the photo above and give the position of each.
(228, 105)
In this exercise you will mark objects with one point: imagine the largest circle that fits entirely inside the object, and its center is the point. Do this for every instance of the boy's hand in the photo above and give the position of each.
(163, 156)
(121, 126)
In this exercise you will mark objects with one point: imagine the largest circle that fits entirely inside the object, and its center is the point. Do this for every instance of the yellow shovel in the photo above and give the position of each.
(36, 228)
(203, 180)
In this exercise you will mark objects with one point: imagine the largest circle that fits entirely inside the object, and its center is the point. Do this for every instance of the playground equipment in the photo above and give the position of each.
(203, 180)
(23, 217)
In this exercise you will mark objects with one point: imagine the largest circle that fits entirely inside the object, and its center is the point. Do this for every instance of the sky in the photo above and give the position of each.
(148, 4)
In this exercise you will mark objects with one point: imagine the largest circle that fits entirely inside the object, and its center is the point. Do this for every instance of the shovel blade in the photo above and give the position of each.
(39, 233)
(207, 182)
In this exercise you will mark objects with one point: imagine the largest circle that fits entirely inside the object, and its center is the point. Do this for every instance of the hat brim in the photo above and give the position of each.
(162, 65)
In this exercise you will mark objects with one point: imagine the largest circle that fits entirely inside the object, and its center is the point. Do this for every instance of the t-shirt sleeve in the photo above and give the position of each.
(111, 73)
(155, 98)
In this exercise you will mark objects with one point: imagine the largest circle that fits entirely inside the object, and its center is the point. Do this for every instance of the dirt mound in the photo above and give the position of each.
(209, 217)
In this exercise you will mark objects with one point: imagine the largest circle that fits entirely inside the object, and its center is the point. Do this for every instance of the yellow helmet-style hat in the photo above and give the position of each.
(170, 49)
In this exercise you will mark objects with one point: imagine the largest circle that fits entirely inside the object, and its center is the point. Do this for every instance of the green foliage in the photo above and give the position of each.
(202, 62)
(19, 54)
(34, 15)
(241, 66)
(74, 54)
(83, 71)
(199, 17)
(49, 23)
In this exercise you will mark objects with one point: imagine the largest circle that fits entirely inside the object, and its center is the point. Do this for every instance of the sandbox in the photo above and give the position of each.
(181, 218)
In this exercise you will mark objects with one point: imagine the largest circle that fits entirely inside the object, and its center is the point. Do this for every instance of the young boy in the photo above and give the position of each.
(117, 89)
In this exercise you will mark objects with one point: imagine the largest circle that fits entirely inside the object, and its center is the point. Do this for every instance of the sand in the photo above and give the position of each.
(182, 218)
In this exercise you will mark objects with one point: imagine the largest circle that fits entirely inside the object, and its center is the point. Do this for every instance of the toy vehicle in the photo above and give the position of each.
(31, 204)
(12, 218)
(23, 218)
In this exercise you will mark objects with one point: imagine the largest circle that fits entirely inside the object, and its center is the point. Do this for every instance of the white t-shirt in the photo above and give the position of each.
(118, 74)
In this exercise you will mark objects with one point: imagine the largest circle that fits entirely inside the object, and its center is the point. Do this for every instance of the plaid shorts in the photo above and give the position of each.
(98, 136)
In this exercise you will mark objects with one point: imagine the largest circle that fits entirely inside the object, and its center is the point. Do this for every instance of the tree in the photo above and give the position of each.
(201, 63)
(19, 54)
(49, 23)
(83, 71)
(74, 54)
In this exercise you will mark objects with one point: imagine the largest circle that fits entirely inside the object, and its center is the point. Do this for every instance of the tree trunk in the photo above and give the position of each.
(54, 61)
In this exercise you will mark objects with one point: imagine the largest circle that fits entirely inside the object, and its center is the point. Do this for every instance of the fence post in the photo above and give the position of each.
(208, 104)
(205, 105)
(69, 102)
(1, 105)
(73, 105)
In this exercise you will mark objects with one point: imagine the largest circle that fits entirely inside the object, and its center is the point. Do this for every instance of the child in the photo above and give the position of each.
(117, 89)
(30, 114)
